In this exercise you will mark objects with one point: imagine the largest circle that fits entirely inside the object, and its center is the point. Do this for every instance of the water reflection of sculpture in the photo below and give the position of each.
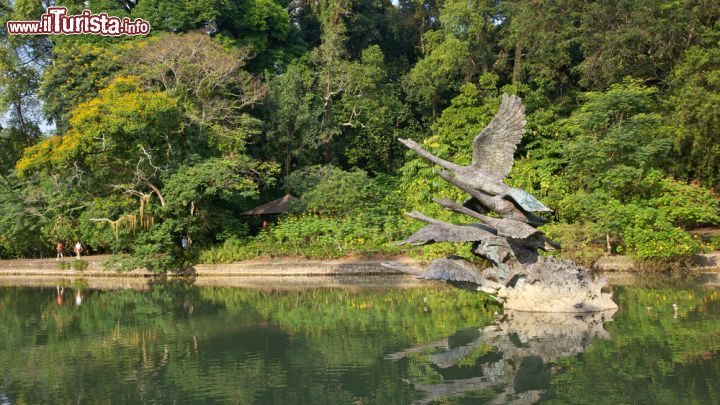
(523, 279)
(516, 369)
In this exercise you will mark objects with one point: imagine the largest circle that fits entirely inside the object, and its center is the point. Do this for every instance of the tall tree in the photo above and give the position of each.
(639, 38)
(209, 78)
(455, 53)
(539, 44)
(328, 108)
(80, 67)
(21, 61)
(695, 107)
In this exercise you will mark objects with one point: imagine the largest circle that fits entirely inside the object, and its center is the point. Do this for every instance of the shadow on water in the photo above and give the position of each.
(510, 359)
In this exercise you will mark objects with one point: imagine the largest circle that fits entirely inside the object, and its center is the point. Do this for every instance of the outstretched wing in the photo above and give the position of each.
(494, 148)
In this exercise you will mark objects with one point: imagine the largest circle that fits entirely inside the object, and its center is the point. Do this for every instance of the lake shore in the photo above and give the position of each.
(261, 267)
(288, 273)
(283, 274)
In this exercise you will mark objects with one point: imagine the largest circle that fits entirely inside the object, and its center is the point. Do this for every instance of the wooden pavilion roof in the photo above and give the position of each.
(279, 206)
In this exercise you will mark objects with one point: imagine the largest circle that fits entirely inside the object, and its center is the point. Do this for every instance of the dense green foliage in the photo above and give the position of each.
(232, 103)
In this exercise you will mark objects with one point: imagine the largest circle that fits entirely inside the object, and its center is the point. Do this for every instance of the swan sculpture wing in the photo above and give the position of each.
(494, 147)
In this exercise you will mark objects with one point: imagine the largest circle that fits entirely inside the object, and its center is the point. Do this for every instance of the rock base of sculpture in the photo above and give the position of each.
(547, 285)
(557, 297)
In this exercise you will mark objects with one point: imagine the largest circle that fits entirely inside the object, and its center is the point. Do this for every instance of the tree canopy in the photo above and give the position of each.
(132, 143)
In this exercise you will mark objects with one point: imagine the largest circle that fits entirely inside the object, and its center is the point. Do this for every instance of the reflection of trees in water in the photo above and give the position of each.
(654, 356)
(234, 344)
(328, 345)
(510, 357)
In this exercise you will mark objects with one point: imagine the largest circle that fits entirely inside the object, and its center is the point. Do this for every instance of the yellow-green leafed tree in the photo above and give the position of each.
(125, 131)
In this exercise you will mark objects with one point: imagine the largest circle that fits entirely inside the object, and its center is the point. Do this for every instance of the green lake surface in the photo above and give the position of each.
(179, 343)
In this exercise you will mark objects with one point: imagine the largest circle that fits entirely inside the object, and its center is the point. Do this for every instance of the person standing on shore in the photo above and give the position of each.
(78, 249)
(59, 250)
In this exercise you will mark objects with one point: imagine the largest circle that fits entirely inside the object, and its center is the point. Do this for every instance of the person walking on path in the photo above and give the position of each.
(78, 249)
(59, 250)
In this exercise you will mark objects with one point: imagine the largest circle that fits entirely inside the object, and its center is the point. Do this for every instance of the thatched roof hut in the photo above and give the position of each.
(274, 207)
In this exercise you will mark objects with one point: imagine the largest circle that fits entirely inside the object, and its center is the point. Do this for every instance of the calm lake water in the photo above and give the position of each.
(176, 343)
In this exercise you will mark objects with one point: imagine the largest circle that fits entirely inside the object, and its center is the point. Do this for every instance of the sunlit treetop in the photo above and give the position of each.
(110, 130)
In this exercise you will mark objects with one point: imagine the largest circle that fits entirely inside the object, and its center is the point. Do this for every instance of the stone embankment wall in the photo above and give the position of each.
(285, 267)
(268, 274)
(702, 262)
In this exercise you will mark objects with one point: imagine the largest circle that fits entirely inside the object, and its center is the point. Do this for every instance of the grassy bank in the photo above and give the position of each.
(318, 237)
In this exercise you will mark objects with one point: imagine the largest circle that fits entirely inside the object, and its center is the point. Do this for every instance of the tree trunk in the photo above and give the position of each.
(517, 66)
(157, 192)
(288, 162)
(23, 126)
